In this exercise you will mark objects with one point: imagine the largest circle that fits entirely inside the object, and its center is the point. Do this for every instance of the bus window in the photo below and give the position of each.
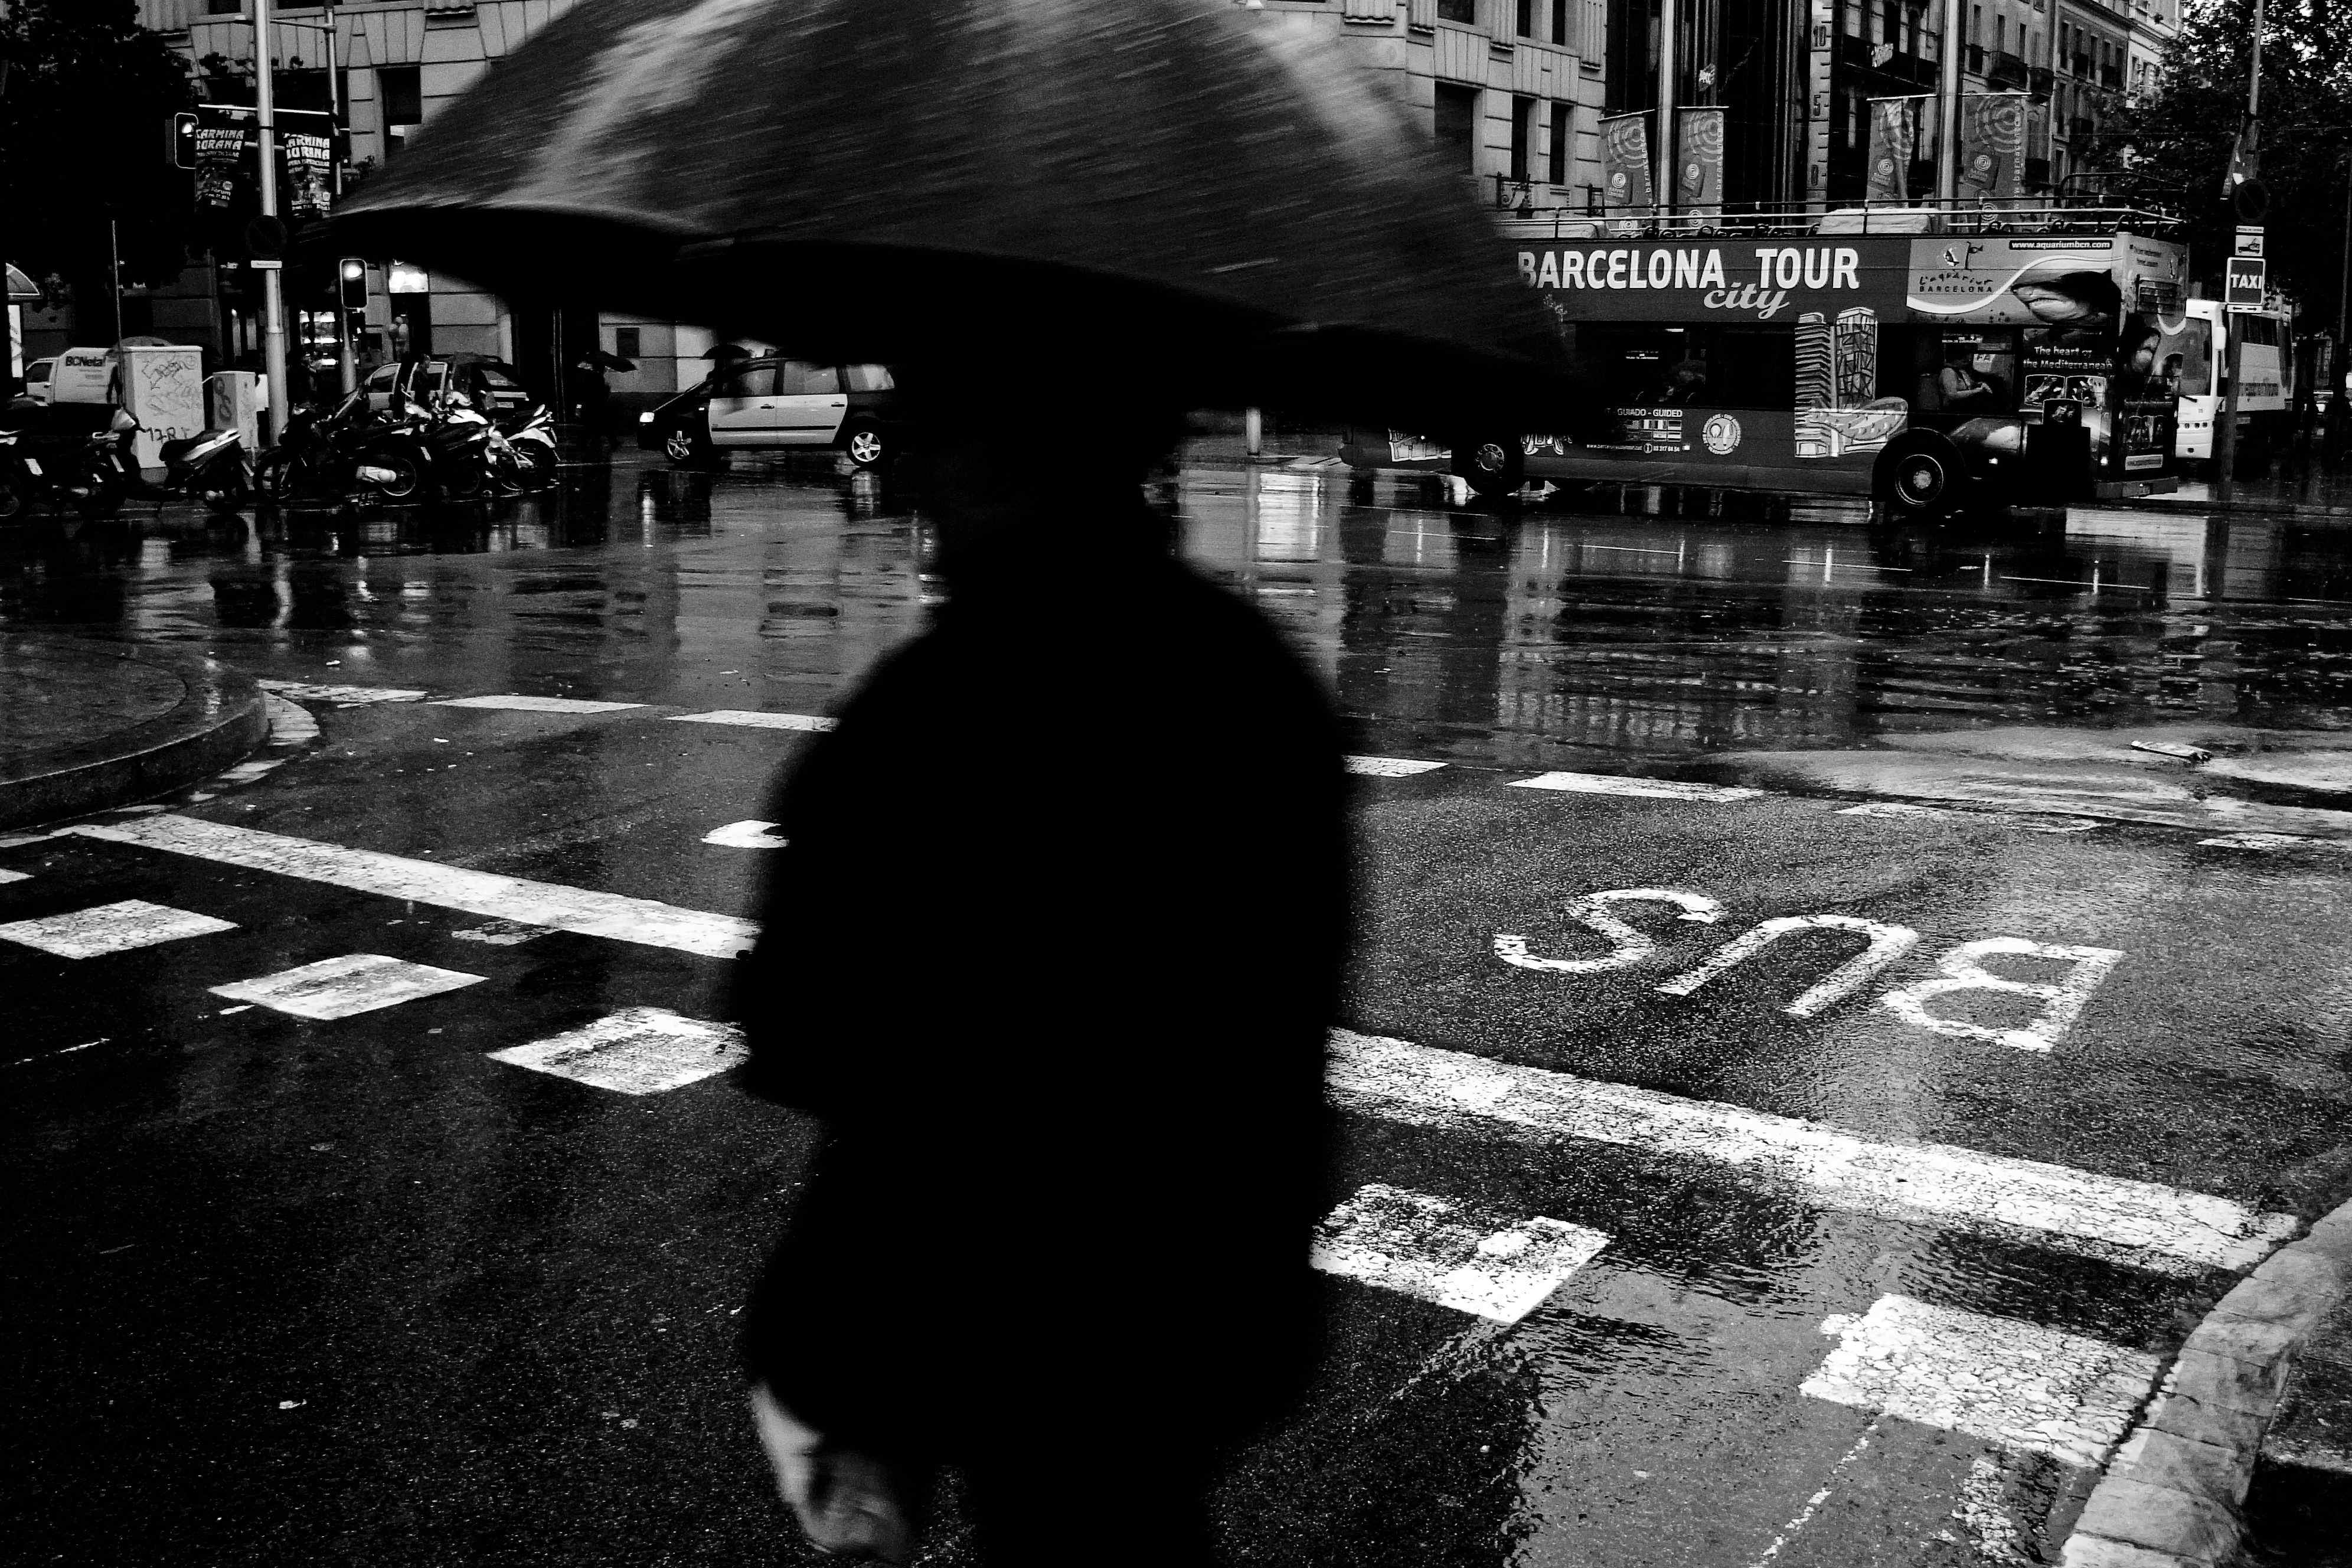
(1696, 367)
(2185, 358)
(1978, 373)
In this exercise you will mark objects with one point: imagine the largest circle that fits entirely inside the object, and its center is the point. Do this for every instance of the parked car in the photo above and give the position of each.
(37, 379)
(772, 403)
(491, 385)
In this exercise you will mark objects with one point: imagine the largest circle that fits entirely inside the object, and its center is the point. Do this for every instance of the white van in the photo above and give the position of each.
(2197, 358)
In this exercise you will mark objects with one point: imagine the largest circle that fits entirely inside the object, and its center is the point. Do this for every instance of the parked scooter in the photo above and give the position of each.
(533, 444)
(210, 468)
(42, 463)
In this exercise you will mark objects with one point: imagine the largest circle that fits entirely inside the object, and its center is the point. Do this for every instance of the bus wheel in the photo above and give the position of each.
(1494, 465)
(1922, 477)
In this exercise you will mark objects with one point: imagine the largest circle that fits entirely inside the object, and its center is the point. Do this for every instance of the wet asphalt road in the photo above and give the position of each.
(284, 1289)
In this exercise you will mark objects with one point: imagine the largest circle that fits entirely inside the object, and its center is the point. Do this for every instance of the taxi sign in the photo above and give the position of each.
(2244, 281)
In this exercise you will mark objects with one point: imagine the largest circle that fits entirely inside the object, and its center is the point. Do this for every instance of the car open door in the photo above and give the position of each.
(743, 406)
(810, 404)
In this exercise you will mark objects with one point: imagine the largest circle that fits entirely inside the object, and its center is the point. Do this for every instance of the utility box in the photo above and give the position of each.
(234, 401)
(164, 389)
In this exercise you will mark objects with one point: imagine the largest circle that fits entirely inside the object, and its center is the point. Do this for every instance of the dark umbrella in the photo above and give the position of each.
(597, 359)
(1190, 189)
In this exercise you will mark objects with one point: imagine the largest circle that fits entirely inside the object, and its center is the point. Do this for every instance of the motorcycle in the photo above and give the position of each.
(533, 443)
(210, 468)
(56, 466)
(456, 438)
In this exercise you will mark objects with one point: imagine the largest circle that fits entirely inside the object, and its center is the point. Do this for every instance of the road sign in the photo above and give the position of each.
(2244, 280)
(2249, 239)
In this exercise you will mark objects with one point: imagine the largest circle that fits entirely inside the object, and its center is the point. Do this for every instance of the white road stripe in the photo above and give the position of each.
(340, 987)
(537, 704)
(7, 877)
(753, 721)
(1423, 1246)
(2021, 1385)
(2136, 1222)
(1647, 789)
(503, 933)
(343, 696)
(638, 1051)
(2262, 841)
(751, 835)
(580, 911)
(1390, 767)
(110, 928)
(1894, 810)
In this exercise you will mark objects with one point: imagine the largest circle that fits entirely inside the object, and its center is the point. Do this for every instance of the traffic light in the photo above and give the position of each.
(351, 277)
(180, 137)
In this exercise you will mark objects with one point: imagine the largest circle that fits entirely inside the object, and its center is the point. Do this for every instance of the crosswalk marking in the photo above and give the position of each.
(756, 720)
(8, 877)
(1390, 767)
(2138, 1222)
(1423, 1246)
(748, 835)
(537, 704)
(2021, 1385)
(638, 1051)
(110, 928)
(340, 987)
(1646, 789)
(581, 911)
(2256, 841)
(341, 696)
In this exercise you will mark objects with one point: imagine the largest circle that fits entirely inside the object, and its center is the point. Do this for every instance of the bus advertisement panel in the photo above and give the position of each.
(1864, 364)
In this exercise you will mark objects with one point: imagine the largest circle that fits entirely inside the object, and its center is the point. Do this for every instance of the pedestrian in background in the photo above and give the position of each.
(1052, 950)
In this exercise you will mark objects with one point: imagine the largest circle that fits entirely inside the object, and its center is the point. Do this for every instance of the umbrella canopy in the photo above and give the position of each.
(1208, 194)
(21, 287)
(598, 359)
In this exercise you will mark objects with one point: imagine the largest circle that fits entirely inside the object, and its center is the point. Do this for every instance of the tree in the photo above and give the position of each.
(2176, 142)
(89, 92)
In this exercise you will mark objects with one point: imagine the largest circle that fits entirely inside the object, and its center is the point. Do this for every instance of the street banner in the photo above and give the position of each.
(1992, 146)
(1821, 49)
(1625, 169)
(309, 172)
(1894, 141)
(1699, 161)
(220, 157)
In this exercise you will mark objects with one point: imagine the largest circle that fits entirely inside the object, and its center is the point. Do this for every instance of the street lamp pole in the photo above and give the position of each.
(1948, 113)
(273, 284)
(1669, 80)
(2225, 428)
(350, 371)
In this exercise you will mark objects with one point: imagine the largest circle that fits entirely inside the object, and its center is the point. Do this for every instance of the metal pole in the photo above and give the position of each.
(1948, 112)
(1669, 52)
(2225, 428)
(350, 371)
(273, 282)
(114, 270)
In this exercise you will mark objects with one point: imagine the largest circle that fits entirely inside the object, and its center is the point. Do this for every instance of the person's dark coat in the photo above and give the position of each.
(1052, 950)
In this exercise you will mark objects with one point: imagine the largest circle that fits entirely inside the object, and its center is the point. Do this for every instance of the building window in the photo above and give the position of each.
(1975, 25)
(1559, 23)
(1557, 156)
(628, 342)
(1458, 11)
(1523, 138)
(1527, 18)
(223, 7)
(399, 89)
(1457, 125)
(1853, 17)
(2001, 35)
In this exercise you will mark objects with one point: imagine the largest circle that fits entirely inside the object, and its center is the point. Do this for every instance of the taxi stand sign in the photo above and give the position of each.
(2244, 283)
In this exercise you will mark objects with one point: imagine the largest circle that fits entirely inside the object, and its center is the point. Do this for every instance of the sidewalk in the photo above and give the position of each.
(2322, 496)
(85, 725)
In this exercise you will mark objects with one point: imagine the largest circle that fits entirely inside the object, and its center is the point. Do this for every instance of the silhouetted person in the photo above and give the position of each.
(1052, 951)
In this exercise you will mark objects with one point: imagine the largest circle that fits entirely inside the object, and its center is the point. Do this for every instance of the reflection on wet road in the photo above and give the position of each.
(1518, 637)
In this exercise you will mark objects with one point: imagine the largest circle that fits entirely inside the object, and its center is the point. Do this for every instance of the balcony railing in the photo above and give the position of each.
(2042, 80)
(2080, 129)
(2111, 77)
(2080, 65)
(2010, 70)
(1523, 218)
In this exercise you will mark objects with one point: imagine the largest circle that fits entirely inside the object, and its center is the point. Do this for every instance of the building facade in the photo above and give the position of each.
(1514, 91)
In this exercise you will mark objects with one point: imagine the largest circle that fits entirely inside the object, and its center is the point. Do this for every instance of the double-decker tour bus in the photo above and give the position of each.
(2008, 354)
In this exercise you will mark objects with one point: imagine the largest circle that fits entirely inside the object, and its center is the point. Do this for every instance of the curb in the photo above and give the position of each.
(2171, 1495)
(222, 717)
